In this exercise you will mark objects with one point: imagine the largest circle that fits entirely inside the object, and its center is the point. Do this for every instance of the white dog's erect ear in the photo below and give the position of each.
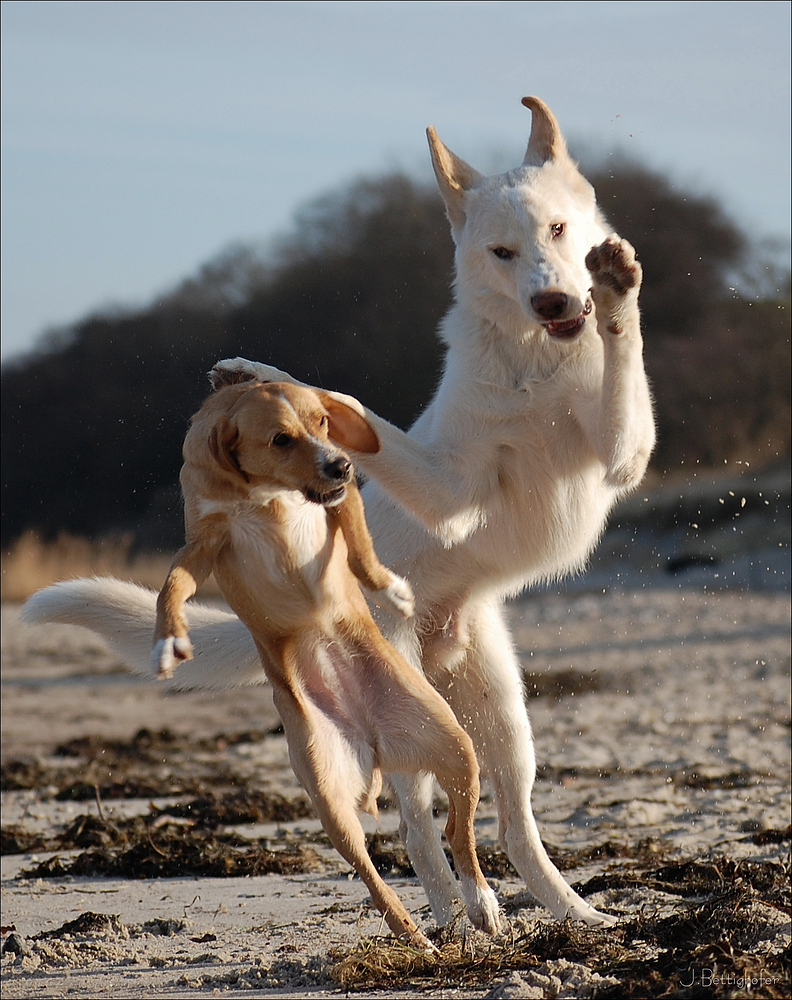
(546, 142)
(454, 178)
(348, 428)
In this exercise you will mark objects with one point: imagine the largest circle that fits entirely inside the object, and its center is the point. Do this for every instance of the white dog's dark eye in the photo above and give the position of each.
(503, 253)
(282, 440)
(557, 229)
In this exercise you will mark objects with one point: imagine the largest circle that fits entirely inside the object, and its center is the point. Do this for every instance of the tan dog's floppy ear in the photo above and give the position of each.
(223, 439)
(348, 428)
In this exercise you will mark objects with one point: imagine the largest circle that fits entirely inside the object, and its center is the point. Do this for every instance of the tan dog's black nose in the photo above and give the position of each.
(339, 468)
(550, 305)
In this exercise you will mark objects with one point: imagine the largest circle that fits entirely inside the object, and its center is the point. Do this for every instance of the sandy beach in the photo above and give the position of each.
(157, 843)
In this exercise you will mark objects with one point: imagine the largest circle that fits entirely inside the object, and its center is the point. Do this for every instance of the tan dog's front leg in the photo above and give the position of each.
(190, 567)
(386, 588)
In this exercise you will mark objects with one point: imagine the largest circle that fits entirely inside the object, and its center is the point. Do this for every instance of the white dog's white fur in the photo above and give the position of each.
(542, 420)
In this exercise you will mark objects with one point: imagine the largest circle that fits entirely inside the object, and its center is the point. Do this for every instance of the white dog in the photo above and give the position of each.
(542, 420)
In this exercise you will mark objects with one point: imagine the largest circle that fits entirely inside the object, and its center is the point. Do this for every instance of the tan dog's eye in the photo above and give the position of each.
(557, 229)
(283, 440)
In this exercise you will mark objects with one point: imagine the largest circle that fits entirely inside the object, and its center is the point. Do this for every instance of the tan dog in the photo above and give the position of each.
(271, 506)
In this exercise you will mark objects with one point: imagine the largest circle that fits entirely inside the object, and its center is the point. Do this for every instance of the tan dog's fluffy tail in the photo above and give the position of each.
(124, 615)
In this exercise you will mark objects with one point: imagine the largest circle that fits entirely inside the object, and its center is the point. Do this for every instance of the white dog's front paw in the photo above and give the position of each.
(613, 267)
(397, 596)
(168, 653)
(231, 371)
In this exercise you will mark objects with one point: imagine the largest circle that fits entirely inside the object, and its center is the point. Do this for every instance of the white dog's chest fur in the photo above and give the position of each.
(543, 496)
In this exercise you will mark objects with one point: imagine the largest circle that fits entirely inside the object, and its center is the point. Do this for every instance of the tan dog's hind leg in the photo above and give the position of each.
(342, 826)
(191, 566)
(481, 903)
(458, 775)
(417, 733)
(327, 768)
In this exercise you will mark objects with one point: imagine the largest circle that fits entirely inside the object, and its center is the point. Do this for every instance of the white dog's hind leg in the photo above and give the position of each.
(421, 837)
(415, 792)
(488, 700)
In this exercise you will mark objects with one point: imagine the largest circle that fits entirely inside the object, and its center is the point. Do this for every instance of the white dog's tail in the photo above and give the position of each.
(124, 615)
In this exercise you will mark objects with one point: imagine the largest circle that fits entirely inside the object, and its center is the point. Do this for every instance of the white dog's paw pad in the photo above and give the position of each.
(168, 653)
(613, 264)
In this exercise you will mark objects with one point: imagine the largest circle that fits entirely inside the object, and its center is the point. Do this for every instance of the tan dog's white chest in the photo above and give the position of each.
(280, 547)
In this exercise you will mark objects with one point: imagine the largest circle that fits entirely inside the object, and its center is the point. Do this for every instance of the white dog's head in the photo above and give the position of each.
(522, 237)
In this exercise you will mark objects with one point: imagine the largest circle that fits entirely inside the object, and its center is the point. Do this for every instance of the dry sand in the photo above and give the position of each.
(660, 714)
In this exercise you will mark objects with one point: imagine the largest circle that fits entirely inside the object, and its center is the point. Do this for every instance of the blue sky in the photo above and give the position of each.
(141, 138)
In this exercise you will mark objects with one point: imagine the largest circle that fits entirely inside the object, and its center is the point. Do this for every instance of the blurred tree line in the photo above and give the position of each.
(94, 418)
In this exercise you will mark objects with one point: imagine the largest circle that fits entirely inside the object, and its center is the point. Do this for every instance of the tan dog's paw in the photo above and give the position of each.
(421, 943)
(397, 596)
(168, 653)
(232, 371)
(483, 910)
(613, 267)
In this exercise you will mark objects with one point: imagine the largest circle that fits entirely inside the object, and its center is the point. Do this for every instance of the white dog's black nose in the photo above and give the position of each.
(550, 305)
(337, 468)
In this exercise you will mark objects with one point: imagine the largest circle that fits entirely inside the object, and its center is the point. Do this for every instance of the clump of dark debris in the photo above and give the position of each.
(715, 934)
(241, 806)
(102, 925)
(154, 846)
(153, 764)
(89, 924)
(183, 838)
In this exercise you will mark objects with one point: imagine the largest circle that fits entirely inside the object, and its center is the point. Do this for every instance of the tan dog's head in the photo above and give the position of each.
(282, 436)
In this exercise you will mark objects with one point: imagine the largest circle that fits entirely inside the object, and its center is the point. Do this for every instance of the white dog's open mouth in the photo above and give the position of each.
(327, 499)
(570, 328)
